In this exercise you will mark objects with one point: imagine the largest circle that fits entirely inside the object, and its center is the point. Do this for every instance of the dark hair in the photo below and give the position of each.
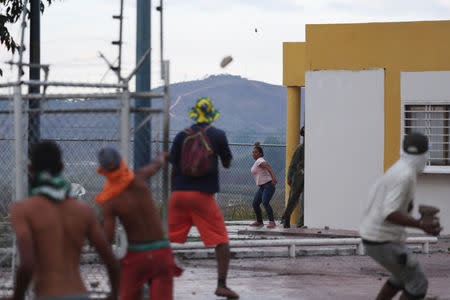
(258, 147)
(302, 131)
(46, 156)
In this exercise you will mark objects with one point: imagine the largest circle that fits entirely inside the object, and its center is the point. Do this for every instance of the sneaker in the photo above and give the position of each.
(271, 224)
(224, 291)
(257, 224)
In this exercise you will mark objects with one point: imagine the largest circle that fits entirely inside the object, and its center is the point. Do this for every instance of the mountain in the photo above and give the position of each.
(249, 111)
(247, 107)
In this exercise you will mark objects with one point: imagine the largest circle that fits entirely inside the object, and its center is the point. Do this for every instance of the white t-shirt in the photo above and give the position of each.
(394, 191)
(260, 174)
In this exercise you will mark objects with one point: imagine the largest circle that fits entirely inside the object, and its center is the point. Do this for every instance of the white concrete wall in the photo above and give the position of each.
(431, 86)
(433, 188)
(344, 149)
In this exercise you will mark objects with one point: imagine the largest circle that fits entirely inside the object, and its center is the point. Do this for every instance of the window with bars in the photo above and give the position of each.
(433, 121)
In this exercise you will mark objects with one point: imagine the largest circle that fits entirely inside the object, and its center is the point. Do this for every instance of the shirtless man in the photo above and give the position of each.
(126, 195)
(51, 228)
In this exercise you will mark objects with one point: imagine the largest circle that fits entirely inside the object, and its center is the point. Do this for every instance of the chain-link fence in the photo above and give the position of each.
(81, 124)
(82, 118)
(237, 186)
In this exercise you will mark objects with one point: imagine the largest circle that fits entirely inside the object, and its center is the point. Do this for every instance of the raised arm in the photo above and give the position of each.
(153, 167)
(25, 245)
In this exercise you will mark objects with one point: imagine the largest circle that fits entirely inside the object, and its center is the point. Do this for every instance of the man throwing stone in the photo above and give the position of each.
(386, 216)
(126, 195)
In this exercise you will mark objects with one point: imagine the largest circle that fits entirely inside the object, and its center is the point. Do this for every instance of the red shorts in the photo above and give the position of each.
(187, 208)
(156, 267)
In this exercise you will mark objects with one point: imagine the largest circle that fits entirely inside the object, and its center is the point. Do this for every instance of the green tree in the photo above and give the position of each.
(10, 11)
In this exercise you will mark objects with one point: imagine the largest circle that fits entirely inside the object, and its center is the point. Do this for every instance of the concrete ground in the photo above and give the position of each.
(308, 277)
(318, 277)
(268, 273)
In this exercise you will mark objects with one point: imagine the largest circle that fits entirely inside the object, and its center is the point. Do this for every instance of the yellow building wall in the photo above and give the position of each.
(294, 64)
(396, 47)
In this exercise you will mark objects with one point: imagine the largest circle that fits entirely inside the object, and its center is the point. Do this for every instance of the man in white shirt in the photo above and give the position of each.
(386, 216)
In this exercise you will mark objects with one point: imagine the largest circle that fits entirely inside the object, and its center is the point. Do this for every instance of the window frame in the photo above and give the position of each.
(436, 169)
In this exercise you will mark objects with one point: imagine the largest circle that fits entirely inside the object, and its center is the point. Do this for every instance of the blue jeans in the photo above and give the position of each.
(264, 194)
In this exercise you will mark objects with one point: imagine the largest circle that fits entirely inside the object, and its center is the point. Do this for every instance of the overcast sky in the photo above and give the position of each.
(199, 33)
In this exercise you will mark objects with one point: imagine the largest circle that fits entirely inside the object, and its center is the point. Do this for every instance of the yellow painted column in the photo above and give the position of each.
(293, 114)
(392, 114)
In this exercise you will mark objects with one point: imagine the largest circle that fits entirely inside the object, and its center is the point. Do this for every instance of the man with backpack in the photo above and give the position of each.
(195, 180)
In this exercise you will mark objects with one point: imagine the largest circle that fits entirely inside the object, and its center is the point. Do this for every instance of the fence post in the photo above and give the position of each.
(18, 143)
(291, 248)
(125, 151)
(426, 247)
(125, 125)
(18, 149)
(360, 248)
(165, 179)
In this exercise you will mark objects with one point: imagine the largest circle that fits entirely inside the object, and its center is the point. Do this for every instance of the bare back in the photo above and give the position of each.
(137, 212)
(58, 232)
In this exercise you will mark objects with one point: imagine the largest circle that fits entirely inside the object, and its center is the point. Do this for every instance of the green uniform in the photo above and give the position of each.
(296, 167)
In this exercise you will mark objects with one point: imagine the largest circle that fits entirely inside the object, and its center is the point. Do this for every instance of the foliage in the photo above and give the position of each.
(10, 12)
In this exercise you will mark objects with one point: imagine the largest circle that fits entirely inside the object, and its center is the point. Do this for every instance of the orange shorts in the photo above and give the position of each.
(187, 208)
(156, 267)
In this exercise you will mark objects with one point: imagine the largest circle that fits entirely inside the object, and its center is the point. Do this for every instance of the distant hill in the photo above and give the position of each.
(249, 111)
(247, 108)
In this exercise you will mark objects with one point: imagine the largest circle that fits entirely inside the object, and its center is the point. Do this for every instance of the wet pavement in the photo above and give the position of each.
(312, 277)
(315, 275)
(320, 277)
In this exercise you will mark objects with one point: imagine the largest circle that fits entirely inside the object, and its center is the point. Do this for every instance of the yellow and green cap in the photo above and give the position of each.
(203, 111)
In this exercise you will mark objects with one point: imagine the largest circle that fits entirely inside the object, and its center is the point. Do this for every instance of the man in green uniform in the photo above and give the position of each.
(295, 179)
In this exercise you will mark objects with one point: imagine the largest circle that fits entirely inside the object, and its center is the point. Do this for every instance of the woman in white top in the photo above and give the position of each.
(265, 179)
